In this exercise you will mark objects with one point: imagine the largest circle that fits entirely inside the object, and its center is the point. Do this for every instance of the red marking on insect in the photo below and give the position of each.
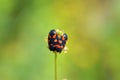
(61, 46)
(63, 38)
(54, 36)
(55, 40)
(60, 41)
(58, 46)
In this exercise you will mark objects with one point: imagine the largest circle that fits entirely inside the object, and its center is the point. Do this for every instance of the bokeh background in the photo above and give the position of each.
(93, 27)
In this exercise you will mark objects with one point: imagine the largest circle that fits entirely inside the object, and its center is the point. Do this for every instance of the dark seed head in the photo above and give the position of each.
(56, 42)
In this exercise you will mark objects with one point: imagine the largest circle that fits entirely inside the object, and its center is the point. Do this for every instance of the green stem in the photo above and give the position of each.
(55, 66)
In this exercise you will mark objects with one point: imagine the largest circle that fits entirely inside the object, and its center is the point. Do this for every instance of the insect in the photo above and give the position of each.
(57, 40)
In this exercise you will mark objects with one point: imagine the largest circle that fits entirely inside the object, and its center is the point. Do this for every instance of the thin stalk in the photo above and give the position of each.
(55, 66)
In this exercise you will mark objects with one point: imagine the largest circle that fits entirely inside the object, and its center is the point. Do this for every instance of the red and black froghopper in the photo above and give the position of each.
(56, 41)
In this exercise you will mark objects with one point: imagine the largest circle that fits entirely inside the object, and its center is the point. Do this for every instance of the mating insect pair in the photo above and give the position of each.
(57, 40)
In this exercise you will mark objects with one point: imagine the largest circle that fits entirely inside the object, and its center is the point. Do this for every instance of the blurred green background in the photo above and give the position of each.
(93, 27)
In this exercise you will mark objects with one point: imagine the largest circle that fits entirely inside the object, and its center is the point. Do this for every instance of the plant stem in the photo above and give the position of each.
(55, 66)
